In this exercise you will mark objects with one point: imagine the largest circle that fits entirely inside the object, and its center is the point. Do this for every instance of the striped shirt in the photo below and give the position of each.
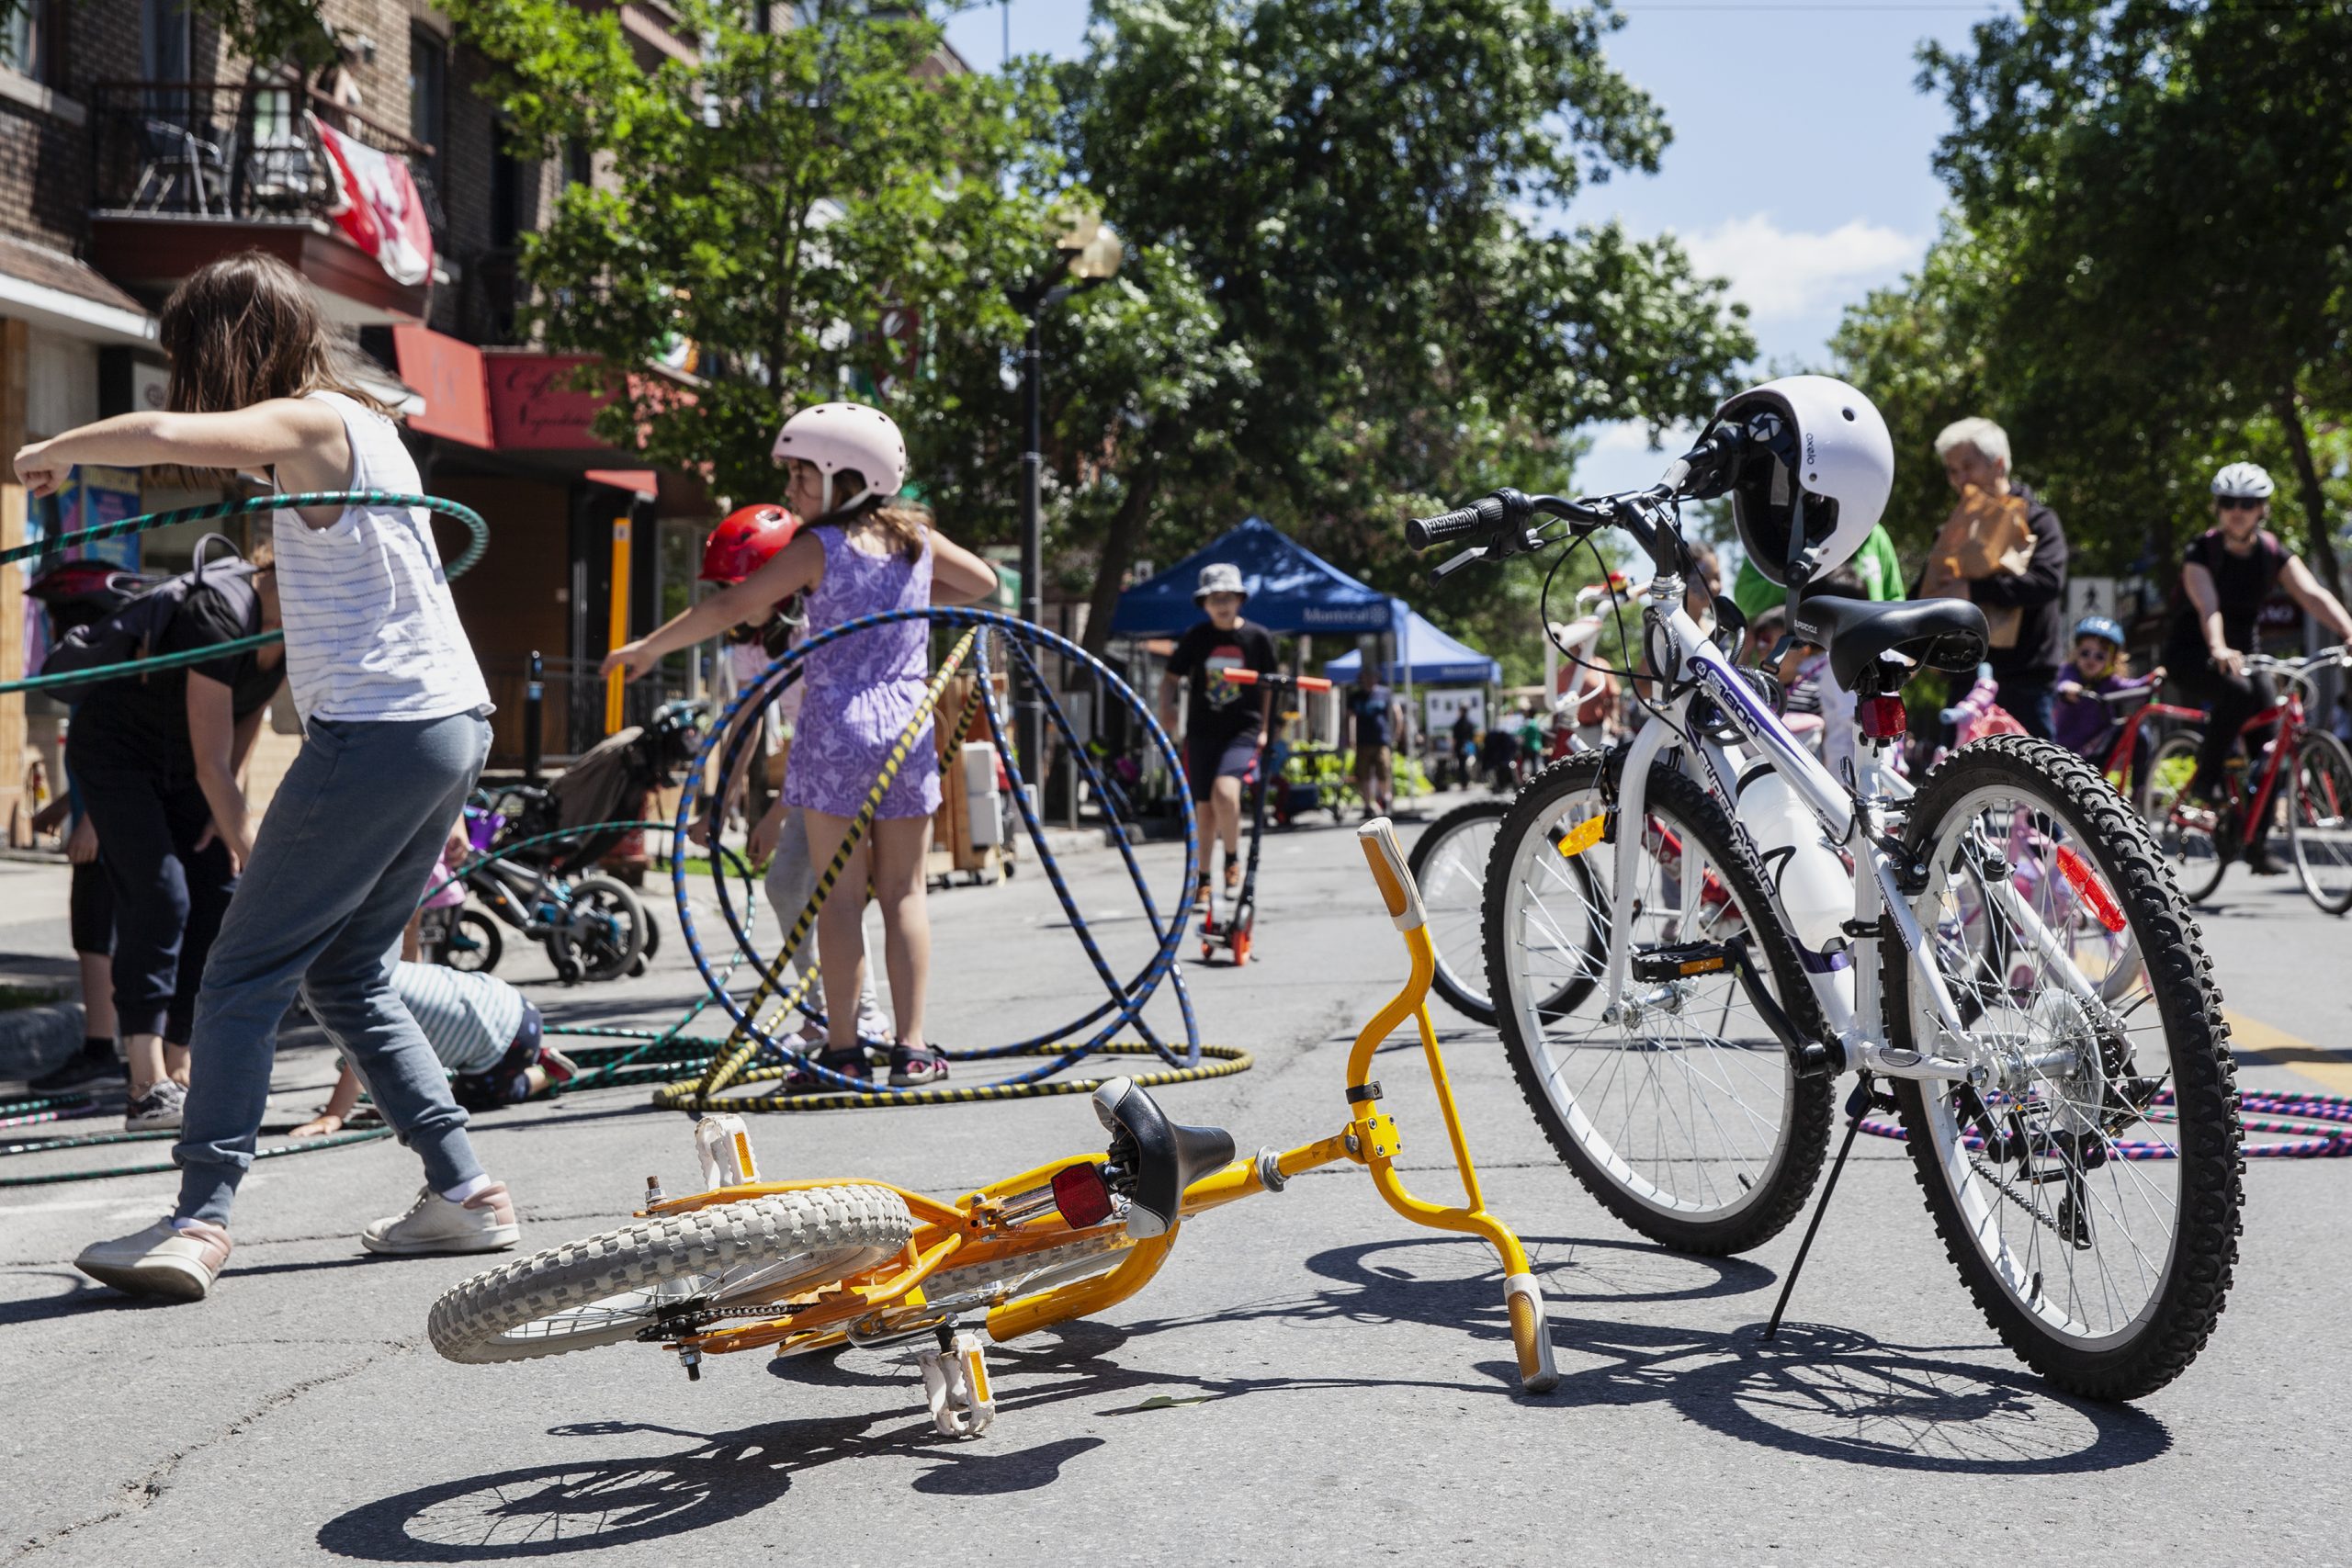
(371, 632)
(470, 1020)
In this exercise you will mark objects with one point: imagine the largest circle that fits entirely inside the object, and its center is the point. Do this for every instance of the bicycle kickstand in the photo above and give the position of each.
(1858, 1104)
(955, 1382)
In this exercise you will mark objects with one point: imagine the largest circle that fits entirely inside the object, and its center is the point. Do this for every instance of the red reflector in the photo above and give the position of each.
(1081, 1194)
(1883, 718)
(2090, 889)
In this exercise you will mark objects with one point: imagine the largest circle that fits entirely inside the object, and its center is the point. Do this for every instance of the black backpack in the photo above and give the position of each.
(136, 629)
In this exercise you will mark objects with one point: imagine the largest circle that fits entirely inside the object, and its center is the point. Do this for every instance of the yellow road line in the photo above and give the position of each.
(2258, 1041)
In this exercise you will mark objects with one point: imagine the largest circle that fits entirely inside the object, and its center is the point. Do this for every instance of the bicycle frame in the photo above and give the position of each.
(2129, 733)
(1847, 986)
(1017, 1217)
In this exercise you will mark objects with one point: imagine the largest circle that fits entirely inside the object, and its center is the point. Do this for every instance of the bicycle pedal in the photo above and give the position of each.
(955, 1386)
(1676, 961)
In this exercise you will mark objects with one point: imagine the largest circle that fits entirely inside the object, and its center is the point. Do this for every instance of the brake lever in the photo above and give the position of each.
(1474, 553)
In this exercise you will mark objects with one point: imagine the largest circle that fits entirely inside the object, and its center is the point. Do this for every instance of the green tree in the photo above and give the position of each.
(1359, 187)
(823, 211)
(2169, 184)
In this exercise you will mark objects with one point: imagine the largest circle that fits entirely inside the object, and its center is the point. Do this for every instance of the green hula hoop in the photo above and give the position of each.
(477, 542)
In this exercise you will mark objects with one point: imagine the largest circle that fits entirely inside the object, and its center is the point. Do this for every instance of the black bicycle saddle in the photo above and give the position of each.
(1166, 1157)
(1942, 633)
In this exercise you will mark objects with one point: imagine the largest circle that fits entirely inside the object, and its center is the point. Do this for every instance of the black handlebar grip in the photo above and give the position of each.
(1479, 516)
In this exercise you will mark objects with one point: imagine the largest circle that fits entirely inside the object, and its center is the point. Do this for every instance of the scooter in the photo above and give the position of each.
(1232, 935)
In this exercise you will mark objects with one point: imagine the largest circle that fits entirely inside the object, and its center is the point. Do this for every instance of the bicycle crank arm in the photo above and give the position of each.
(1810, 1058)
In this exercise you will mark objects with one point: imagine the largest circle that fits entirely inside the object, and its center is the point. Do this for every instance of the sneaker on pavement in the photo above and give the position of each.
(483, 1222)
(82, 1067)
(911, 1066)
(177, 1265)
(159, 1107)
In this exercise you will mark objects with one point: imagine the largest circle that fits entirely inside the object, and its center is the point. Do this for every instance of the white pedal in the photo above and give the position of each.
(956, 1385)
(723, 1146)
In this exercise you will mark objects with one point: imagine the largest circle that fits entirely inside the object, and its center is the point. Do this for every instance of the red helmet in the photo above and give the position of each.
(746, 541)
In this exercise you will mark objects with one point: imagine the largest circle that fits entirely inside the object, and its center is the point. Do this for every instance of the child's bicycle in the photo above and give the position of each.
(1232, 933)
(2202, 837)
(814, 1265)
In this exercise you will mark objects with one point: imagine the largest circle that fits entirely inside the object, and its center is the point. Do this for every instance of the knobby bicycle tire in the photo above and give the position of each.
(773, 1246)
(2153, 799)
(2322, 793)
(2166, 1333)
(1465, 993)
(1787, 1173)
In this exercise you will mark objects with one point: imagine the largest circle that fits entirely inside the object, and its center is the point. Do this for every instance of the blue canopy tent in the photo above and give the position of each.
(1292, 590)
(1426, 656)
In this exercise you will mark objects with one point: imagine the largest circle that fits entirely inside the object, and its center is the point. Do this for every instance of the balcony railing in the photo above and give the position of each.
(248, 150)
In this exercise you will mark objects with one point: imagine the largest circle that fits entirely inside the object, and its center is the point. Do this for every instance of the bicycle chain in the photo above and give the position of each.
(2011, 1193)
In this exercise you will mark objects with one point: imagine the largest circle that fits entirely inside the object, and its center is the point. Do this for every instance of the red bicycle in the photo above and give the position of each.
(2313, 804)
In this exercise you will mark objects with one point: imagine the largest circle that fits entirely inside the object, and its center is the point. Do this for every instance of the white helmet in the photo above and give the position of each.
(2244, 481)
(847, 435)
(1812, 478)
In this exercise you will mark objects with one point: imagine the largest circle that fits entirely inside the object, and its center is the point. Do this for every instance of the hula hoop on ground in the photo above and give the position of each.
(2314, 1126)
(1125, 1002)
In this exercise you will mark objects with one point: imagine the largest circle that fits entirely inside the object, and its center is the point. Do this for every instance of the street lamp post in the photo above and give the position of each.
(1090, 253)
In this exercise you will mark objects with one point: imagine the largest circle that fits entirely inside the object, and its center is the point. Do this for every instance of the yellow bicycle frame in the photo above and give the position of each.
(976, 1230)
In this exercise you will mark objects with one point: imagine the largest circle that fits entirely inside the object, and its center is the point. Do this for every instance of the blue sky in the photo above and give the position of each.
(1799, 169)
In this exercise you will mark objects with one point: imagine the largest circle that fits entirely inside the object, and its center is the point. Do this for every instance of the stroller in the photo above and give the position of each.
(593, 927)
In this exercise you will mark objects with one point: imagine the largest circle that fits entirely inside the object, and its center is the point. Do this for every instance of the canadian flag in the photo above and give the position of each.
(377, 205)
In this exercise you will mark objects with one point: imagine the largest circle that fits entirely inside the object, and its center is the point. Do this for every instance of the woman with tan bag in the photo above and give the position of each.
(2003, 549)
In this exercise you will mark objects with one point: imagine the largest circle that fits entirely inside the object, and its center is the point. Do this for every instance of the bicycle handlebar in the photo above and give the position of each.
(1275, 678)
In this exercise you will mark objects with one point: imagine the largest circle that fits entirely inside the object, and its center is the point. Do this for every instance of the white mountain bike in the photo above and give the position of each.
(2017, 966)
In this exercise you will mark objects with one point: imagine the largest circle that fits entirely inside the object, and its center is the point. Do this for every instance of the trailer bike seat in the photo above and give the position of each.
(1942, 633)
(1162, 1157)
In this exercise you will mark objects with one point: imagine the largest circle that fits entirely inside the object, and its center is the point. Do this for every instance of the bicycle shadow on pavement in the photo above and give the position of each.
(1821, 1391)
(552, 1510)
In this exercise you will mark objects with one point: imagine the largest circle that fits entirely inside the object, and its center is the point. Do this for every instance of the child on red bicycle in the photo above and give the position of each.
(2083, 723)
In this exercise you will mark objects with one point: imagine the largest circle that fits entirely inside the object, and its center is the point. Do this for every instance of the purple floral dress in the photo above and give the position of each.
(862, 689)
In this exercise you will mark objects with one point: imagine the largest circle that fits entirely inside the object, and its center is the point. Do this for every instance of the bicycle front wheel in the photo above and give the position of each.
(2319, 823)
(1448, 864)
(2102, 1268)
(2184, 828)
(1674, 1104)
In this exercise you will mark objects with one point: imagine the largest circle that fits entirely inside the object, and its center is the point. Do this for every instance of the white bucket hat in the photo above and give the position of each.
(1223, 577)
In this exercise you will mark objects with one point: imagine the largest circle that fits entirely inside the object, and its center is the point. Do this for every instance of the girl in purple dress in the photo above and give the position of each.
(865, 552)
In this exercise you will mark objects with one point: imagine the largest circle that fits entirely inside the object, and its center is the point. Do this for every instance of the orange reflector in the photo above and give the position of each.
(2090, 889)
(1583, 835)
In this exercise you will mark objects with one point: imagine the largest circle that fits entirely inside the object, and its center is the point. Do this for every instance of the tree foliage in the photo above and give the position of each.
(2148, 263)
(1359, 187)
(823, 211)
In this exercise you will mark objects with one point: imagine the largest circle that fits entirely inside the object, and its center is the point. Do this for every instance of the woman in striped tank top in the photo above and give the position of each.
(395, 730)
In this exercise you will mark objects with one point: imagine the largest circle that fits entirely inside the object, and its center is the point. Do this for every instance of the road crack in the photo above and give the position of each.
(139, 1495)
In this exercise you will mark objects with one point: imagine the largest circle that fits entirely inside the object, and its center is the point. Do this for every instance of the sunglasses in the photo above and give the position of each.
(2240, 503)
(2087, 651)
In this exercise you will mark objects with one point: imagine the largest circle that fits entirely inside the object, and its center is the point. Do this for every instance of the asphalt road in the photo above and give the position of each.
(1309, 1379)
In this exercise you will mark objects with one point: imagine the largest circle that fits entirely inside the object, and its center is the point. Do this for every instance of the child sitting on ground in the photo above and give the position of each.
(485, 1031)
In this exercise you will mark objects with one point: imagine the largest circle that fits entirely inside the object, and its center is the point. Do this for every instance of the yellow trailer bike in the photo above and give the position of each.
(813, 1265)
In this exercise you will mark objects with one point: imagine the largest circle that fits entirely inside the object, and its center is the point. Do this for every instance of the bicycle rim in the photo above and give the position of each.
(2182, 827)
(1448, 864)
(1682, 1116)
(2101, 1269)
(2319, 823)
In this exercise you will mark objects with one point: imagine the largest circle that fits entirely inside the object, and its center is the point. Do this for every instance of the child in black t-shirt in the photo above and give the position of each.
(1223, 722)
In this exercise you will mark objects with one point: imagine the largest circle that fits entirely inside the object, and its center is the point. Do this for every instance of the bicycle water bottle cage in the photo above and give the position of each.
(1164, 1157)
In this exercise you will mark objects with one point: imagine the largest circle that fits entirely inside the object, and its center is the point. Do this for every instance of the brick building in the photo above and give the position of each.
(136, 145)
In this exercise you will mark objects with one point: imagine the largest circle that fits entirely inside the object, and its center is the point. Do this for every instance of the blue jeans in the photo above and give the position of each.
(2032, 701)
(342, 857)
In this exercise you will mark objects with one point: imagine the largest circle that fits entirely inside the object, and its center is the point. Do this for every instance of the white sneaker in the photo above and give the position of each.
(483, 1222)
(177, 1264)
(158, 1109)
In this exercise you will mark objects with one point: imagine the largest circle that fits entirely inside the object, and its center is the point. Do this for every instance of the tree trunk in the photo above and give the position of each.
(1118, 554)
(2318, 542)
